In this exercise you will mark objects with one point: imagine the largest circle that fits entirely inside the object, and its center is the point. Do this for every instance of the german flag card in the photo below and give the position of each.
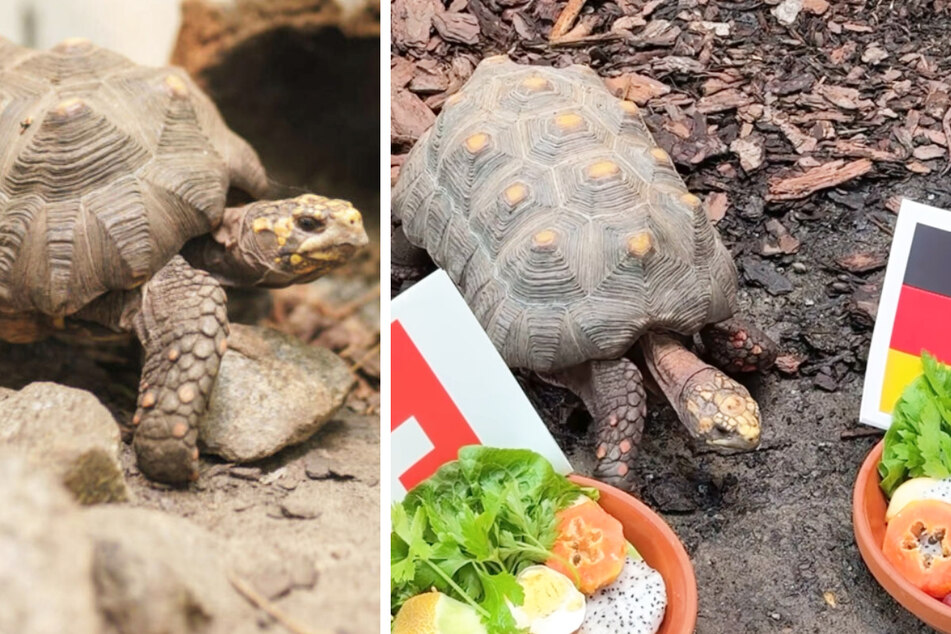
(914, 312)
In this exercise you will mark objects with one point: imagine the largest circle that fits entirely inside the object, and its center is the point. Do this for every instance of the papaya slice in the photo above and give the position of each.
(590, 548)
(918, 544)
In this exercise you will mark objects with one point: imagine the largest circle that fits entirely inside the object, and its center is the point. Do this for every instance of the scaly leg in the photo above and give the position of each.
(183, 326)
(738, 346)
(613, 392)
(408, 263)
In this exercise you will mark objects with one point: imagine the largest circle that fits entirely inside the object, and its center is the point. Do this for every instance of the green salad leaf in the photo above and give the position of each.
(918, 443)
(469, 529)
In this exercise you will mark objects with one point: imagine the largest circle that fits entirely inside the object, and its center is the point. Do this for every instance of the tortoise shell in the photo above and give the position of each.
(566, 228)
(106, 169)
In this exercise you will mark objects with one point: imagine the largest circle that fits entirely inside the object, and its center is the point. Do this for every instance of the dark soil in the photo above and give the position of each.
(742, 113)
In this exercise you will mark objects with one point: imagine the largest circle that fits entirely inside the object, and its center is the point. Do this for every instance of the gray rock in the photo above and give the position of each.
(156, 573)
(272, 391)
(45, 562)
(301, 504)
(70, 433)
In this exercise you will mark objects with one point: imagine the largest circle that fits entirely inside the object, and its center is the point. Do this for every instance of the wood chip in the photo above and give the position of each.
(750, 152)
(783, 243)
(567, 19)
(815, 7)
(928, 152)
(862, 262)
(843, 97)
(816, 179)
(637, 88)
(410, 117)
(801, 142)
(787, 11)
(414, 19)
(716, 205)
(874, 54)
(789, 363)
(462, 28)
(724, 100)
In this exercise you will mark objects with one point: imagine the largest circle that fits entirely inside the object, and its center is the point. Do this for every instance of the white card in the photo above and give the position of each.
(914, 309)
(451, 388)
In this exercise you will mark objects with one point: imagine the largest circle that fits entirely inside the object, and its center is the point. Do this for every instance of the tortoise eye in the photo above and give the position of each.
(309, 224)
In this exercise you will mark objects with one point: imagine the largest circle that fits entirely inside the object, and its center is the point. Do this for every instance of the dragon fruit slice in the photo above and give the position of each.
(633, 604)
(941, 490)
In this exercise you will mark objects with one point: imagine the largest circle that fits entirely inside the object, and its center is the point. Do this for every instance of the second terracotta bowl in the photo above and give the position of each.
(661, 549)
(868, 522)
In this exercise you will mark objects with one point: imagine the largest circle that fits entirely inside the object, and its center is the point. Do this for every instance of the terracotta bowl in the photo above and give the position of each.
(868, 521)
(661, 549)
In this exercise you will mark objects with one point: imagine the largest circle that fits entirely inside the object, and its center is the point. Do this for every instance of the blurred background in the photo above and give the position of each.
(115, 24)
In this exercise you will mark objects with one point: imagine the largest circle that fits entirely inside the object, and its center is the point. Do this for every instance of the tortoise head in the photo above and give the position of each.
(294, 240)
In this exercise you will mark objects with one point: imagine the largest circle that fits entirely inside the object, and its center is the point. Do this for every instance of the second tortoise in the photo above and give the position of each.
(578, 247)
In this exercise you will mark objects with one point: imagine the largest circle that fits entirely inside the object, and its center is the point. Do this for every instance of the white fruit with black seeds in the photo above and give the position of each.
(633, 604)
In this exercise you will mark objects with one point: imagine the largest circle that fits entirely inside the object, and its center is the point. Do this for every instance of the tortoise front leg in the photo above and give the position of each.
(183, 326)
(613, 392)
(712, 406)
(738, 346)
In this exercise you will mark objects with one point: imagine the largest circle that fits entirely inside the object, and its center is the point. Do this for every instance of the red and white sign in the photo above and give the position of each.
(451, 388)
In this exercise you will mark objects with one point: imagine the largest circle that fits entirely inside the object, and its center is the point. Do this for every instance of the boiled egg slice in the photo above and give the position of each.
(552, 603)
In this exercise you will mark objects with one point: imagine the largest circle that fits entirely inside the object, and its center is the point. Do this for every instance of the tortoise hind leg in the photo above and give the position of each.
(183, 325)
(408, 263)
(736, 345)
(613, 392)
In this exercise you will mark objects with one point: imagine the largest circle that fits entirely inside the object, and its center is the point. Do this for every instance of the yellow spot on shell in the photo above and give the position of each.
(639, 244)
(148, 399)
(514, 194)
(176, 87)
(602, 169)
(536, 83)
(179, 430)
(690, 200)
(544, 238)
(629, 107)
(70, 107)
(660, 155)
(704, 424)
(296, 259)
(477, 142)
(570, 121)
(73, 45)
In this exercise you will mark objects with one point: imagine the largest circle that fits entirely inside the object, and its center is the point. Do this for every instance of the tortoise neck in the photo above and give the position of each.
(226, 265)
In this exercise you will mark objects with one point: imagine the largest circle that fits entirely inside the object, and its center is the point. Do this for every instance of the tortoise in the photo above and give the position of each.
(114, 180)
(576, 244)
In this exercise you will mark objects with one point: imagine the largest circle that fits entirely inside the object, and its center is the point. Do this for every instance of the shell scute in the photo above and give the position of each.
(567, 229)
(107, 169)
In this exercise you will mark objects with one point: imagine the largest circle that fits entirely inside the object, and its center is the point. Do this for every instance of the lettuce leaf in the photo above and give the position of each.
(472, 526)
(918, 443)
